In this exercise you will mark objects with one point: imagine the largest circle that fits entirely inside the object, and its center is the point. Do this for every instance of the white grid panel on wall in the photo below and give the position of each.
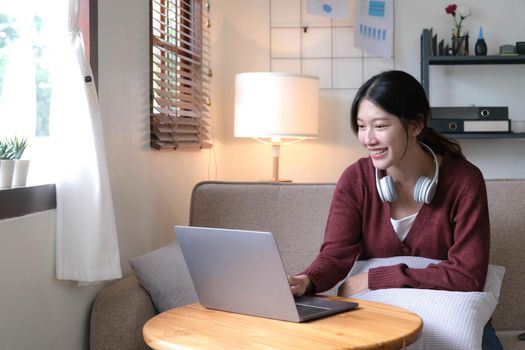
(320, 46)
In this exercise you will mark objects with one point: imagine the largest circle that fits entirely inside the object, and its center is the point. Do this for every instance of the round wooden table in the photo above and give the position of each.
(370, 326)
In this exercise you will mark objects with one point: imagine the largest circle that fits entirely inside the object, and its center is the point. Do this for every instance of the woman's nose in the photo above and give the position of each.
(369, 136)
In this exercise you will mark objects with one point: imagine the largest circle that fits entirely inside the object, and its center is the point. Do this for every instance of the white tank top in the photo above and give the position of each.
(403, 225)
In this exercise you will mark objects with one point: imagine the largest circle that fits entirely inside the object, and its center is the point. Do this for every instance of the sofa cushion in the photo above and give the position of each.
(164, 275)
(452, 320)
(507, 248)
(510, 340)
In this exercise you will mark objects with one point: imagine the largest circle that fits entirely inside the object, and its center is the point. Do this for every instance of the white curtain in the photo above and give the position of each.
(86, 243)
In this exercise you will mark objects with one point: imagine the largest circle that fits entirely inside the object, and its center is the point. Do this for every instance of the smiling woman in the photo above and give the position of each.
(409, 215)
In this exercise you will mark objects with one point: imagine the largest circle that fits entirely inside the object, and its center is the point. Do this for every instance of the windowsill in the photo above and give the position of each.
(21, 201)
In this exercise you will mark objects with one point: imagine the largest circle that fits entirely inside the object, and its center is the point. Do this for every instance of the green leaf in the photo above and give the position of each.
(3, 150)
(12, 148)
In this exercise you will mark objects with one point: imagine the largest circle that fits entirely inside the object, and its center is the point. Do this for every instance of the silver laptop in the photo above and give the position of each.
(242, 271)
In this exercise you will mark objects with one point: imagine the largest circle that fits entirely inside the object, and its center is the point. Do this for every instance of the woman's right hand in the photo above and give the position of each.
(299, 284)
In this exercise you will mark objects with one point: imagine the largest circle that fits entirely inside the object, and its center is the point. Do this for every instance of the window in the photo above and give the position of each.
(180, 74)
(24, 75)
(24, 25)
(26, 83)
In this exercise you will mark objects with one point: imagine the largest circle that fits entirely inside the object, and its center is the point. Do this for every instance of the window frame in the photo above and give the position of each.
(88, 24)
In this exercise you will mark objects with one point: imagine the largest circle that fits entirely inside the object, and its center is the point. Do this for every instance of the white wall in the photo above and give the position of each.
(244, 33)
(151, 189)
(36, 310)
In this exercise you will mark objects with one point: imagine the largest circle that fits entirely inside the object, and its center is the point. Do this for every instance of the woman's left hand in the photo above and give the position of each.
(353, 284)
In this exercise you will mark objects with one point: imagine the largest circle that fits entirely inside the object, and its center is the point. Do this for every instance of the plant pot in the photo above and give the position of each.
(20, 172)
(7, 168)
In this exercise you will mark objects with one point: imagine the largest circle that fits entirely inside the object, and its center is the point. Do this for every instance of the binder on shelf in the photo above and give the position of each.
(470, 126)
(486, 126)
(426, 41)
(474, 113)
(442, 48)
(434, 51)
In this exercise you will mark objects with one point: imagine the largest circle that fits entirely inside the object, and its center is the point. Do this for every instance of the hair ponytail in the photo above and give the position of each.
(439, 143)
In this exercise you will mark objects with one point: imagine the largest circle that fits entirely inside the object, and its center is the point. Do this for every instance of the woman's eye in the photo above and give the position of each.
(381, 126)
(360, 127)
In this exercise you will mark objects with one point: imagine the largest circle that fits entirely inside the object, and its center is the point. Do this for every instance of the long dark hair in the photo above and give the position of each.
(400, 94)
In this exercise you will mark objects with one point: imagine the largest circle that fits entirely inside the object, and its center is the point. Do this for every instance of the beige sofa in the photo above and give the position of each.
(296, 214)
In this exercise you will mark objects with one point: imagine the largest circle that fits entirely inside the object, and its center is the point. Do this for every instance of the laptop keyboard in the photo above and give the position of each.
(307, 310)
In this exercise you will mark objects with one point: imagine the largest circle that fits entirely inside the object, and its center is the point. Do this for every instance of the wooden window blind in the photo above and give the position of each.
(180, 74)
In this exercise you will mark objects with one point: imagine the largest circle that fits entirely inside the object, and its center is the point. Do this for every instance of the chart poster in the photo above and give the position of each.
(337, 9)
(374, 26)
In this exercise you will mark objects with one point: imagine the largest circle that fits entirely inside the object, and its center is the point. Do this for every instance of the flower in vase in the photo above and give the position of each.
(459, 13)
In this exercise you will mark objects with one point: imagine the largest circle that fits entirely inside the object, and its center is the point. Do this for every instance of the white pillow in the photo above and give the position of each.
(451, 320)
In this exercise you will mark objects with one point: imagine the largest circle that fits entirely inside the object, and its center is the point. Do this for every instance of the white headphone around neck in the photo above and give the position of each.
(423, 191)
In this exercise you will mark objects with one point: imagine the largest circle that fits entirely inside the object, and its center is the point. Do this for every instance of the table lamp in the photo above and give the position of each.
(276, 109)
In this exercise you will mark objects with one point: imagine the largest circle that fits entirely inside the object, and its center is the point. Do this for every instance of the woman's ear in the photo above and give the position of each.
(417, 125)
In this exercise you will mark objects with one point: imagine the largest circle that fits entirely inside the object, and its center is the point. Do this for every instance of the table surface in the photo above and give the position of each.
(370, 326)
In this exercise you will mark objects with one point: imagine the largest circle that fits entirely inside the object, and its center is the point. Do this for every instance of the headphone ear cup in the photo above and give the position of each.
(378, 187)
(380, 192)
(424, 191)
(425, 188)
(388, 190)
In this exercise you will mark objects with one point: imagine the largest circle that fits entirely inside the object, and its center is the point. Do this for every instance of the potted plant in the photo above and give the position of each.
(13, 170)
(17, 147)
(7, 165)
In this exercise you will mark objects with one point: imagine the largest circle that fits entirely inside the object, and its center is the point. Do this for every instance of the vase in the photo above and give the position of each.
(460, 45)
(480, 49)
(7, 168)
(20, 173)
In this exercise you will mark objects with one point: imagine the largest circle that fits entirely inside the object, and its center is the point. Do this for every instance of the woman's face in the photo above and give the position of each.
(383, 135)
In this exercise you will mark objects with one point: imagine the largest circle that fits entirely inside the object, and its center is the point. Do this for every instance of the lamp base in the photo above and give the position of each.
(281, 181)
(276, 148)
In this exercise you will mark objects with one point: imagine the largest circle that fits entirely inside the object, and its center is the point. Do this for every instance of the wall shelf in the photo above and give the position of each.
(428, 48)
(21, 201)
(475, 60)
(428, 59)
(486, 135)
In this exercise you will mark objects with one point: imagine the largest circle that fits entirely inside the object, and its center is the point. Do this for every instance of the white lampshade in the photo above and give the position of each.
(274, 105)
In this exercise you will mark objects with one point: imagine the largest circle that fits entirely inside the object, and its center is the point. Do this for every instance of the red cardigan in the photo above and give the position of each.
(454, 228)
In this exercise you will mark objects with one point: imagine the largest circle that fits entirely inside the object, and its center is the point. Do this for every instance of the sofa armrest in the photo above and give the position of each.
(118, 315)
